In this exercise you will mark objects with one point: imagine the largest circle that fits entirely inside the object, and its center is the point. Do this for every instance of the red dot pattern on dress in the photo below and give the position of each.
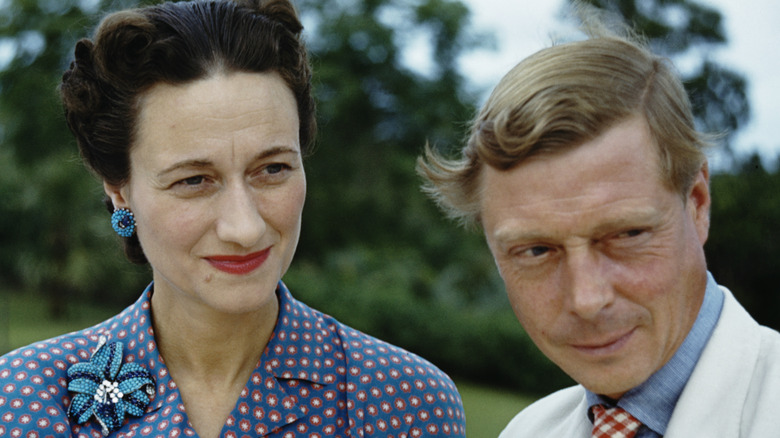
(317, 379)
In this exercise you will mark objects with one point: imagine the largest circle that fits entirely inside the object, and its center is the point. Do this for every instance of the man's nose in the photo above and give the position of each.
(589, 290)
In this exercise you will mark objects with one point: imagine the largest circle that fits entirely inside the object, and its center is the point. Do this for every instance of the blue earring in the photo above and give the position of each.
(123, 222)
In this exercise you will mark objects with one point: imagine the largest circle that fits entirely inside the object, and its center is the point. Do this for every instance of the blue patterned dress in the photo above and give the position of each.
(317, 378)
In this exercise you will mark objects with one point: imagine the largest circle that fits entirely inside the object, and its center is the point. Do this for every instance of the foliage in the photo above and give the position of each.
(743, 250)
(375, 115)
(54, 240)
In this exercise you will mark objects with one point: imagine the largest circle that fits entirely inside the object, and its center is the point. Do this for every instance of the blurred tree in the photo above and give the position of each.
(743, 250)
(685, 29)
(376, 112)
(50, 210)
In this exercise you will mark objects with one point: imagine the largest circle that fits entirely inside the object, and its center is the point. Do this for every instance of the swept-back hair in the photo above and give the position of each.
(561, 97)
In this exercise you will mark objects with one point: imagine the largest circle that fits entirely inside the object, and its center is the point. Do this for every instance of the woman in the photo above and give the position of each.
(196, 116)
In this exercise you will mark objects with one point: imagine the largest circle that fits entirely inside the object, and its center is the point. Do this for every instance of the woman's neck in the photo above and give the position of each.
(198, 341)
(209, 354)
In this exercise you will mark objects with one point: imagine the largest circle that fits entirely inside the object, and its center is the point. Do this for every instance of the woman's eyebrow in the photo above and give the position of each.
(202, 164)
(275, 151)
(188, 164)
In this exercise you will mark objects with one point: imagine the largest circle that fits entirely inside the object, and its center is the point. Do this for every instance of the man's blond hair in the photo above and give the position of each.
(561, 97)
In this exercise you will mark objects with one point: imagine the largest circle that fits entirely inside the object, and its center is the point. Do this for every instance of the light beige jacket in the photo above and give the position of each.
(734, 390)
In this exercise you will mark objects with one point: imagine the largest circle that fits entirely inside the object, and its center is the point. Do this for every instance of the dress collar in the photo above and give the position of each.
(301, 345)
(299, 348)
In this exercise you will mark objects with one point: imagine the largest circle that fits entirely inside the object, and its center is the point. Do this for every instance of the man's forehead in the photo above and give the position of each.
(611, 179)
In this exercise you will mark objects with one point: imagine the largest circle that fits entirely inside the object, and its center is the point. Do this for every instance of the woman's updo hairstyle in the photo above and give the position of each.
(174, 43)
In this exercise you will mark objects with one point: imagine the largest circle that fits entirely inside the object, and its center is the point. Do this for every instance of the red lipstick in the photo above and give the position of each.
(239, 264)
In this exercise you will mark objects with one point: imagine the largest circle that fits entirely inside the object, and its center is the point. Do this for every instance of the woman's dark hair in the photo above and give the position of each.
(174, 43)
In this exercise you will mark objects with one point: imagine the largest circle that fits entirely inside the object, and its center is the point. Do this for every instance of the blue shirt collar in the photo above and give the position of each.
(653, 401)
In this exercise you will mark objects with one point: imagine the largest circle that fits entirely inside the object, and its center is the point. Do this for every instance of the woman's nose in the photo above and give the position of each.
(239, 219)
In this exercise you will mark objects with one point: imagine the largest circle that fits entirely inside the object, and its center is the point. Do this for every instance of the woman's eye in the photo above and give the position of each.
(276, 168)
(193, 184)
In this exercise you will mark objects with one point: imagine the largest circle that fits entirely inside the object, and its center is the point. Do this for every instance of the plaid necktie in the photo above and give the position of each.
(613, 423)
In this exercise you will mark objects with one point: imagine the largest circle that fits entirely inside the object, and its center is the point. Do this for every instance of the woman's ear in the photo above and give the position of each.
(117, 195)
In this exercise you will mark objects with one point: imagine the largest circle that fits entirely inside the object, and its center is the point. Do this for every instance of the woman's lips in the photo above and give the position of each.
(605, 347)
(239, 264)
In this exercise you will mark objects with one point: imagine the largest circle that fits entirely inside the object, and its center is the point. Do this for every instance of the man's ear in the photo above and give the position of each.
(699, 201)
(117, 194)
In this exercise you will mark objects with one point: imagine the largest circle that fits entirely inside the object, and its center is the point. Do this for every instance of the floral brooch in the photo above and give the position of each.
(107, 388)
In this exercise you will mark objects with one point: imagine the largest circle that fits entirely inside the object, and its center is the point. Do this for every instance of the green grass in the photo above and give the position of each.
(488, 409)
(23, 320)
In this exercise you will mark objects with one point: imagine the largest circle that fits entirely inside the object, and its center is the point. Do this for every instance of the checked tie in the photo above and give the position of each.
(613, 423)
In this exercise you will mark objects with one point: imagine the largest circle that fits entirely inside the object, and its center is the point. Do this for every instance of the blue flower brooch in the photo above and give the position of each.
(107, 388)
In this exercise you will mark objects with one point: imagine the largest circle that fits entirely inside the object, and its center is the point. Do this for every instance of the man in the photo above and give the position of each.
(588, 178)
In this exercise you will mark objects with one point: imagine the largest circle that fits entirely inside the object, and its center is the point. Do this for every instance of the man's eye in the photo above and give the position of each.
(631, 233)
(193, 180)
(533, 251)
(537, 251)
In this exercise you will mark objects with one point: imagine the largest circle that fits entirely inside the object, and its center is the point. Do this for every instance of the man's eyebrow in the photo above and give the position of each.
(203, 164)
(640, 218)
(634, 217)
(514, 233)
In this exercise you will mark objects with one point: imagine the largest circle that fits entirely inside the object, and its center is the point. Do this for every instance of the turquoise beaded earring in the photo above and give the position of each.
(123, 222)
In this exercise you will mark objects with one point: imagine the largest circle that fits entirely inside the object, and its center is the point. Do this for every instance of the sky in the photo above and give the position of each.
(524, 26)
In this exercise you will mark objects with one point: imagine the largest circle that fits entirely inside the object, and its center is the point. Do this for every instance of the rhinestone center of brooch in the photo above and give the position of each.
(108, 392)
